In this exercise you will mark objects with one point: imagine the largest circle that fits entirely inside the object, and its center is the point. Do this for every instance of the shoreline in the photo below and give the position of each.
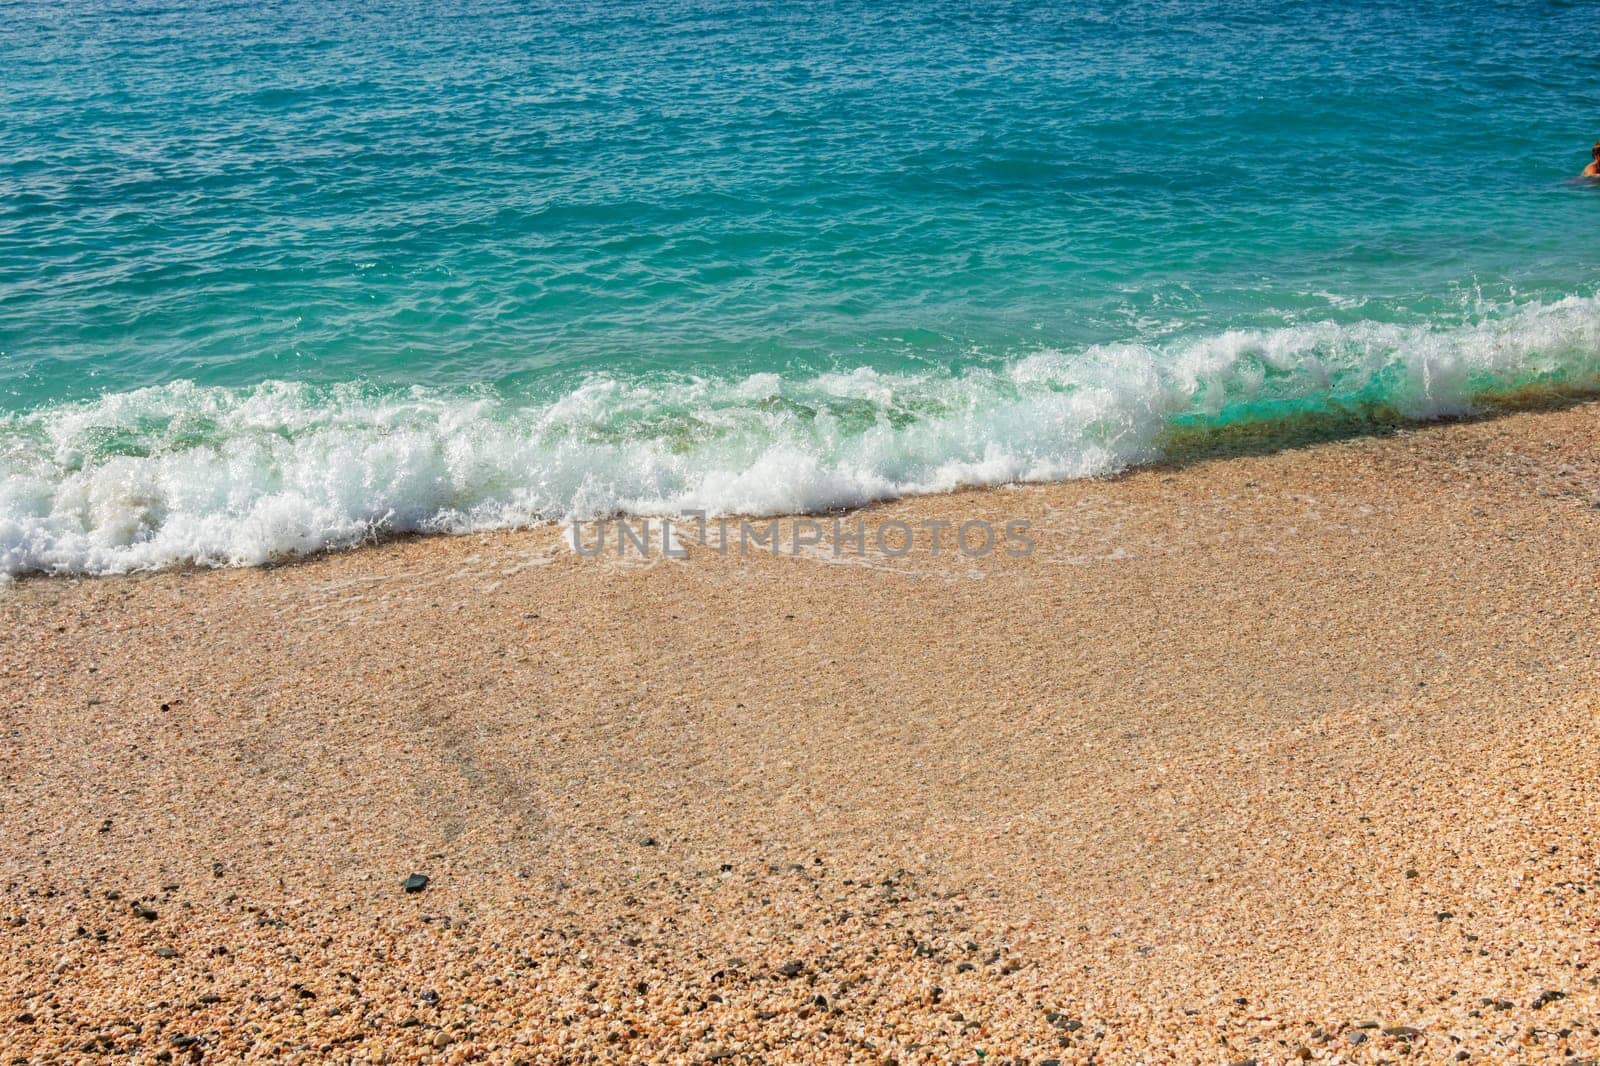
(1252, 751)
(1180, 446)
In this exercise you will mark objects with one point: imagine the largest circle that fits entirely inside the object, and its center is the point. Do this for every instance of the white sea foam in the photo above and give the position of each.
(185, 474)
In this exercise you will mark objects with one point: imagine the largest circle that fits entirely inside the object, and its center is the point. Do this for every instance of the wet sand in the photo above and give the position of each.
(1269, 757)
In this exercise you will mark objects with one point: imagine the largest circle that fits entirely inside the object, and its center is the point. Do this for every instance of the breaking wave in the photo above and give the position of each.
(183, 474)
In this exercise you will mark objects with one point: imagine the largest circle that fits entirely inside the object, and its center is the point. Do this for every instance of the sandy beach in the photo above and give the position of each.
(1268, 757)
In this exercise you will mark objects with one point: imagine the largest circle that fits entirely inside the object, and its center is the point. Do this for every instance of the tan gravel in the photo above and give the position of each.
(1269, 757)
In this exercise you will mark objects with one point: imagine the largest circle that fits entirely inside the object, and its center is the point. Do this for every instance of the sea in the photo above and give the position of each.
(284, 276)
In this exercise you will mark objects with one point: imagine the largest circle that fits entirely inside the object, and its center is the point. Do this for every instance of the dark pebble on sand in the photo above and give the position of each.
(164, 952)
(1358, 1037)
(792, 968)
(26, 1018)
(648, 842)
(1403, 1032)
(415, 883)
(141, 911)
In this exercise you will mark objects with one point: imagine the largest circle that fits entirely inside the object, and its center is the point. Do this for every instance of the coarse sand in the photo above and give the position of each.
(1283, 755)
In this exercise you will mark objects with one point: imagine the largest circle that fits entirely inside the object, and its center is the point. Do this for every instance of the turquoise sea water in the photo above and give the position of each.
(282, 276)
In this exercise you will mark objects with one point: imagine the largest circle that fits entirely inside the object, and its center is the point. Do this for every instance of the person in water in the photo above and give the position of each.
(1593, 169)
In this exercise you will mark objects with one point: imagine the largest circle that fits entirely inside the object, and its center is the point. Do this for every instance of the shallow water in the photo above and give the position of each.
(278, 277)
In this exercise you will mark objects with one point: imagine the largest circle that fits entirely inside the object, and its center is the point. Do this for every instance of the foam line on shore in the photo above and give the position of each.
(185, 474)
